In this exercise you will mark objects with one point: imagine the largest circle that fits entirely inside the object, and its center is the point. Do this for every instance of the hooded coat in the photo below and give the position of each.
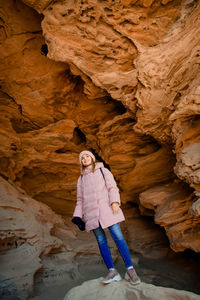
(95, 194)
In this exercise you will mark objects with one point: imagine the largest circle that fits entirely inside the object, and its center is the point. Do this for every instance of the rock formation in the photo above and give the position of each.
(29, 231)
(120, 78)
(170, 204)
(124, 290)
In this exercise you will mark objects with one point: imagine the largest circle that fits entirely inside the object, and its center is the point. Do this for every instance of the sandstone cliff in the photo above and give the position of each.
(133, 98)
(118, 77)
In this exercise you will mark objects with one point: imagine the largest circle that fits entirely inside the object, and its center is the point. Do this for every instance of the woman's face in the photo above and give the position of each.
(86, 160)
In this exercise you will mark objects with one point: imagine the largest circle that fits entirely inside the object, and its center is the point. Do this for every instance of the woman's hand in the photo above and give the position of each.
(115, 207)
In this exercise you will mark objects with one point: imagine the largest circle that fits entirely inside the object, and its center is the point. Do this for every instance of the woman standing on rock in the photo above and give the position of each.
(98, 203)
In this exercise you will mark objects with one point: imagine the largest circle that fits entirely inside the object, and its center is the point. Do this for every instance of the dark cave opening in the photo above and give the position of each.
(44, 49)
(119, 107)
(78, 136)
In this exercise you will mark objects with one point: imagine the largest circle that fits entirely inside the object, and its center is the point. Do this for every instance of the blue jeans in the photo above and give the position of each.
(118, 237)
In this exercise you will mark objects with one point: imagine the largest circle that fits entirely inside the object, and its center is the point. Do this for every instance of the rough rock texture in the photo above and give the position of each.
(40, 122)
(153, 244)
(124, 290)
(132, 157)
(101, 39)
(35, 243)
(38, 249)
(169, 204)
(195, 208)
(29, 231)
(120, 78)
(50, 119)
(146, 55)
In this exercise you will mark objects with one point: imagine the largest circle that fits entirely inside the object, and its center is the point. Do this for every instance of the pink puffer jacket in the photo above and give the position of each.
(95, 196)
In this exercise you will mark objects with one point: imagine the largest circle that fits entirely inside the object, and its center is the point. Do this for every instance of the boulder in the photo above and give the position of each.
(123, 290)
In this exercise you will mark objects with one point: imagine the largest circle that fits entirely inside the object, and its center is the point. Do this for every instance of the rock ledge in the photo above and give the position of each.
(123, 290)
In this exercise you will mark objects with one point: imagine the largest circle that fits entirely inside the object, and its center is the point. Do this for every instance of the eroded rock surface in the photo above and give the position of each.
(146, 56)
(123, 291)
(137, 55)
(50, 119)
(29, 232)
(120, 78)
(170, 204)
(41, 252)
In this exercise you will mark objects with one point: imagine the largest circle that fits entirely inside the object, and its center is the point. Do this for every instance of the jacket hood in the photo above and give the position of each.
(98, 165)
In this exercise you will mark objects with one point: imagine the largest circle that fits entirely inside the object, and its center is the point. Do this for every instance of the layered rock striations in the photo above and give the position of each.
(50, 119)
(146, 56)
(170, 205)
(120, 78)
(30, 231)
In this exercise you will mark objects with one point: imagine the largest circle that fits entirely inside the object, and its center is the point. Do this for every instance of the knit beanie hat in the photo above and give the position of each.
(86, 152)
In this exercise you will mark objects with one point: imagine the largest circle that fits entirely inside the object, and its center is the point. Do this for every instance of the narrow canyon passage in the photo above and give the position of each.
(121, 79)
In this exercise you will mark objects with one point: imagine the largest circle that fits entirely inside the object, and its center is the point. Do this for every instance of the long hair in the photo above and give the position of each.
(83, 167)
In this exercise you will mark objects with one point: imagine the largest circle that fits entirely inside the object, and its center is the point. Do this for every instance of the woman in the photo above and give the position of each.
(98, 204)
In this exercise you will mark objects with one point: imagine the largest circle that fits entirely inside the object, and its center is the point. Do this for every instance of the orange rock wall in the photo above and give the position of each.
(120, 78)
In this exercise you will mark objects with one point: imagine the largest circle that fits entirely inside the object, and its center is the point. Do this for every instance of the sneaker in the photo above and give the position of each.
(113, 275)
(132, 277)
